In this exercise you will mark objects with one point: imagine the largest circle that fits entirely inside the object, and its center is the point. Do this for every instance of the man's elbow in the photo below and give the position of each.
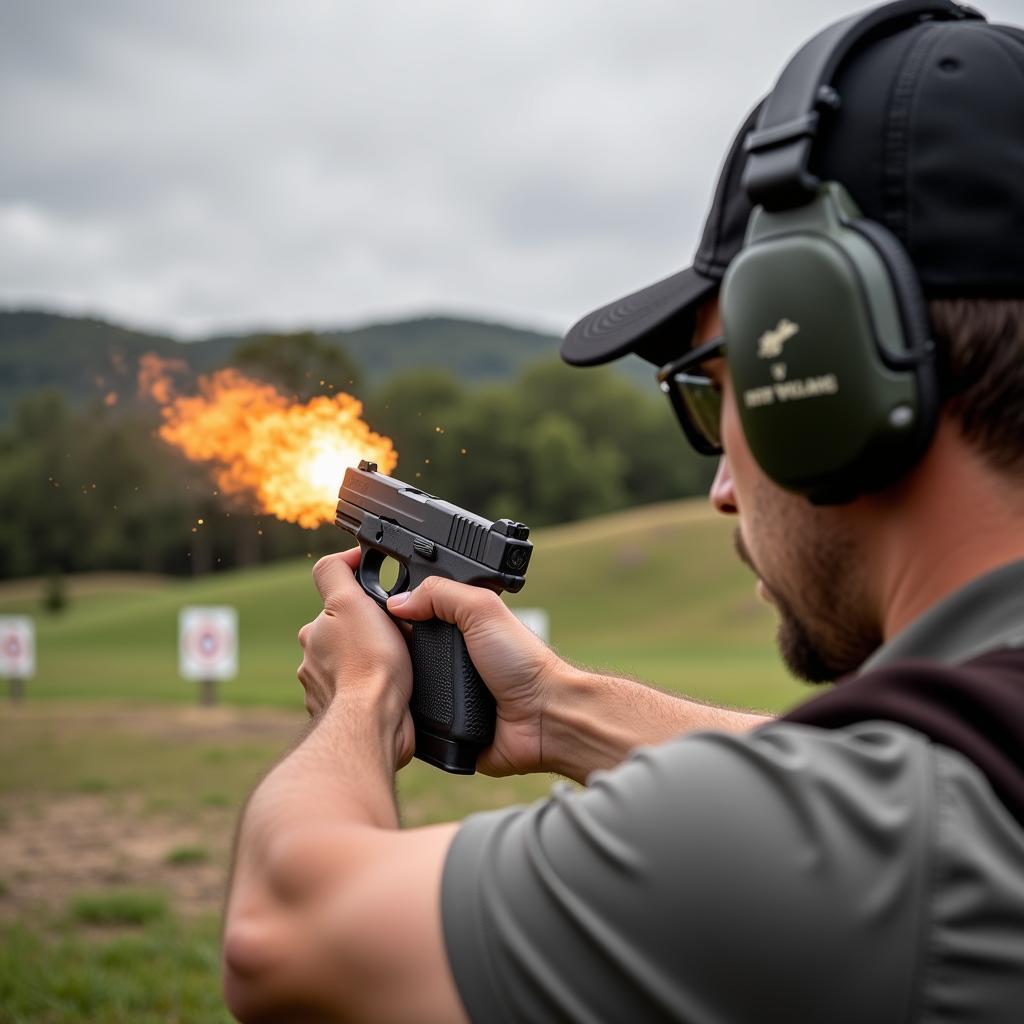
(264, 974)
(274, 952)
(241, 994)
(254, 963)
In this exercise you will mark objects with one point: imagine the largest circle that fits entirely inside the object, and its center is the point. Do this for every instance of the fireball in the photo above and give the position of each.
(288, 457)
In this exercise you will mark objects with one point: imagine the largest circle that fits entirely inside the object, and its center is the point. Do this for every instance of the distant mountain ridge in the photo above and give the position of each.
(87, 358)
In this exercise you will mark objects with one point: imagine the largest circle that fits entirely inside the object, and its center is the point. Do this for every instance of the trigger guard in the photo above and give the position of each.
(368, 576)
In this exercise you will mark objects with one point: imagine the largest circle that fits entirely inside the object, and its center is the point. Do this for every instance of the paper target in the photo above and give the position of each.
(208, 642)
(17, 647)
(536, 620)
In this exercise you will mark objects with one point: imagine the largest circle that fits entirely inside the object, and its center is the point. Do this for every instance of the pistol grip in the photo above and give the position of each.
(452, 709)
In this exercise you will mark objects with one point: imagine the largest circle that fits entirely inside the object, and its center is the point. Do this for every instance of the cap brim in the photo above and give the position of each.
(656, 323)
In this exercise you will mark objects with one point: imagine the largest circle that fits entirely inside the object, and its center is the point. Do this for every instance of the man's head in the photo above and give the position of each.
(920, 123)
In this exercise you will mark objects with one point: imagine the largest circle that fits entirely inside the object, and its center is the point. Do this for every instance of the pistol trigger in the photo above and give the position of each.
(368, 575)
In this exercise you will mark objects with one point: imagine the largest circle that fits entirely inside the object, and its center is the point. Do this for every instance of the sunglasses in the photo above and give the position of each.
(695, 397)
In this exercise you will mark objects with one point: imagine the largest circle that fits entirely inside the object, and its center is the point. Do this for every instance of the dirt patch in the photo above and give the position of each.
(55, 845)
(53, 850)
(164, 722)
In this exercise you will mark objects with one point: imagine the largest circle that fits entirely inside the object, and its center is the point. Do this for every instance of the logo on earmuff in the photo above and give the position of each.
(769, 345)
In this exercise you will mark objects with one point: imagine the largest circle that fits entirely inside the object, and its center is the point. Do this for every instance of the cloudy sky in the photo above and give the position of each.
(204, 166)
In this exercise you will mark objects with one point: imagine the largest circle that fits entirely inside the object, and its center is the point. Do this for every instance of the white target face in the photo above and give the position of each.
(17, 647)
(208, 642)
(536, 620)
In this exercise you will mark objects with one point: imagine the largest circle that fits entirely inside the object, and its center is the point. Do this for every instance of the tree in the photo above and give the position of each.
(417, 411)
(567, 478)
(612, 411)
(302, 364)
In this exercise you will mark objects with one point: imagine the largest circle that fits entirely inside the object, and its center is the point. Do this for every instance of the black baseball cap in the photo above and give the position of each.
(928, 138)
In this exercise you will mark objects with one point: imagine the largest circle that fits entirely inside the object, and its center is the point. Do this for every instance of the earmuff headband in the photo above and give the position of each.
(776, 174)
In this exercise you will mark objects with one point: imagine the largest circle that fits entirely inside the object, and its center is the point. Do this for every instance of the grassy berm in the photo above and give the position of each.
(118, 794)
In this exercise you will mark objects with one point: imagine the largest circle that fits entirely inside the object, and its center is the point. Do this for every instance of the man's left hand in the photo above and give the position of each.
(353, 650)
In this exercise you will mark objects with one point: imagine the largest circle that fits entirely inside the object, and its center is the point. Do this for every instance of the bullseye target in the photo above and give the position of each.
(17, 647)
(208, 642)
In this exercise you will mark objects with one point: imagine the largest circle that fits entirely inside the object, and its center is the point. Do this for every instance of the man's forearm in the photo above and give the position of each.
(595, 720)
(344, 767)
(340, 775)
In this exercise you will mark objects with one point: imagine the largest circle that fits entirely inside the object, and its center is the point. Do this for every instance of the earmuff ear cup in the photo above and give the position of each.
(913, 312)
(907, 288)
(826, 377)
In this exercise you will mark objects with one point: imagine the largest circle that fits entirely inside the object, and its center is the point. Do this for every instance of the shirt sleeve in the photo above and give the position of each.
(716, 878)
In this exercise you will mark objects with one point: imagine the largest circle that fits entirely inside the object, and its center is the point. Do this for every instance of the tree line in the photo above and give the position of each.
(94, 489)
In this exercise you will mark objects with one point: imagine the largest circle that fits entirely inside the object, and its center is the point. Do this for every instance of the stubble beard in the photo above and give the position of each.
(824, 632)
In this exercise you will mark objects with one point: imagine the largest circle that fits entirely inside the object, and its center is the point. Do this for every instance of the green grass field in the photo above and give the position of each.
(656, 593)
(118, 794)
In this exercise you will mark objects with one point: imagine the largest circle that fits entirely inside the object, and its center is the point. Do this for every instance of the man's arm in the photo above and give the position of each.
(598, 719)
(333, 913)
(552, 716)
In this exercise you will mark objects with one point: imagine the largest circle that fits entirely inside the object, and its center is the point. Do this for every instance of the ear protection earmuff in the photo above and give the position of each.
(826, 326)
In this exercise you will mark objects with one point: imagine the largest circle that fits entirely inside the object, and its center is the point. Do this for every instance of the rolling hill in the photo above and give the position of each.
(86, 359)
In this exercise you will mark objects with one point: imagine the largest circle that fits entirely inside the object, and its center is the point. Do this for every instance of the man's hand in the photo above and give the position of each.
(552, 716)
(516, 666)
(353, 650)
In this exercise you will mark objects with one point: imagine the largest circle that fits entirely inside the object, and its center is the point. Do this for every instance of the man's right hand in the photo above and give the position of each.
(516, 666)
(551, 716)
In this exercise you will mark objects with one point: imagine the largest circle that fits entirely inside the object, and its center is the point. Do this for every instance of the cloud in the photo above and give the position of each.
(200, 167)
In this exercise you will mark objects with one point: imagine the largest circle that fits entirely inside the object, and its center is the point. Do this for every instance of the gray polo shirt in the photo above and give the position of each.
(793, 874)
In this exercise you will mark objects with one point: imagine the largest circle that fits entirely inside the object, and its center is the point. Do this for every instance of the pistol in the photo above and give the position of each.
(452, 709)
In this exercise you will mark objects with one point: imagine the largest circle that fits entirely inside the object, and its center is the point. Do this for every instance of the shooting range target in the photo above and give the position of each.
(536, 620)
(208, 642)
(17, 647)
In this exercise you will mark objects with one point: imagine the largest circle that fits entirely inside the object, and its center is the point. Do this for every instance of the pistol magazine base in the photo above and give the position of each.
(456, 758)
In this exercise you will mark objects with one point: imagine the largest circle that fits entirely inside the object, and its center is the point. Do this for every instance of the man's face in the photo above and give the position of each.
(808, 559)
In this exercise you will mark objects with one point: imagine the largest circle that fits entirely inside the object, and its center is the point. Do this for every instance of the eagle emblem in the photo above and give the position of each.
(769, 345)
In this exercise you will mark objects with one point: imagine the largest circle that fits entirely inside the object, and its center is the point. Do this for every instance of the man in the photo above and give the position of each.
(861, 859)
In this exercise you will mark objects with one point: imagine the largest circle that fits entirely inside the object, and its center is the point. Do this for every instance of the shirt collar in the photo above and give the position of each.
(986, 614)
